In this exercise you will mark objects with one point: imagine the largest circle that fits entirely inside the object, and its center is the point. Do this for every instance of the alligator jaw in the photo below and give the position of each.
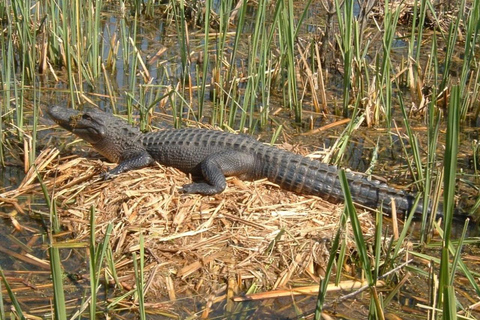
(80, 124)
(112, 137)
(63, 117)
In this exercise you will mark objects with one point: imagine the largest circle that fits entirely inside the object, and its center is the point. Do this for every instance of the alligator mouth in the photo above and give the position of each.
(66, 118)
(76, 122)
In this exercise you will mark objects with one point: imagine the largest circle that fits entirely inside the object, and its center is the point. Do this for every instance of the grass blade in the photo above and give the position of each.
(56, 268)
(322, 292)
(446, 294)
(139, 278)
(12, 296)
(376, 309)
(357, 229)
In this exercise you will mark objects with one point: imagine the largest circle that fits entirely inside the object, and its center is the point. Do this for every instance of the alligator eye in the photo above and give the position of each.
(86, 116)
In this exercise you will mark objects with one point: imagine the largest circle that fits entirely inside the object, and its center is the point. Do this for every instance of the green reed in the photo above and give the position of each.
(149, 11)
(5, 81)
(416, 38)
(425, 170)
(389, 23)
(220, 92)
(52, 31)
(139, 278)
(17, 76)
(456, 253)
(19, 314)
(450, 46)
(256, 62)
(178, 9)
(447, 276)
(252, 108)
(57, 279)
(68, 36)
(181, 25)
(341, 144)
(359, 65)
(21, 29)
(415, 165)
(370, 272)
(112, 270)
(470, 74)
(3, 11)
(206, 58)
(287, 31)
(432, 143)
(93, 29)
(125, 43)
(345, 21)
(446, 294)
(132, 73)
(7, 72)
(148, 96)
(22, 21)
(97, 257)
(339, 241)
(231, 75)
(56, 269)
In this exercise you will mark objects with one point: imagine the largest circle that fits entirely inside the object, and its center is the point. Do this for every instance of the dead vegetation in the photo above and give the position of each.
(252, 234)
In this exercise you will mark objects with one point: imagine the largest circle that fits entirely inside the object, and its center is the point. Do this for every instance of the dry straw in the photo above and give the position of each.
(253, 233)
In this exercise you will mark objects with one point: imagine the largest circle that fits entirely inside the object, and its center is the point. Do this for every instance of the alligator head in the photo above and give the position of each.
(108, 134)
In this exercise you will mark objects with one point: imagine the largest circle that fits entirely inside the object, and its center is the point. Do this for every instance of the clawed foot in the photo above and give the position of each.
(108, 175)
(190, 188)
(200, 188)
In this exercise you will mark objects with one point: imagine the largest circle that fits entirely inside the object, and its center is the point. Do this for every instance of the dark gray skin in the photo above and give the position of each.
(209, 156)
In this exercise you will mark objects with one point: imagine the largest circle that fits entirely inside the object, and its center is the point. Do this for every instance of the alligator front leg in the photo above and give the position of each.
(216, 167)
(136, 161)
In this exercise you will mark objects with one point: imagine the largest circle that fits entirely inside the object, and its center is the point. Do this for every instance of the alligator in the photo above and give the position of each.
(210, 155)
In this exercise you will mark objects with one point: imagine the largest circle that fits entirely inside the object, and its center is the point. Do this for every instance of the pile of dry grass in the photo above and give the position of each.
(253, 233)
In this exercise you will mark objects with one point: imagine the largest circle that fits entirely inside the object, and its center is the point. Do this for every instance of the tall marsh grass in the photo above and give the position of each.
(346, 23)
(246, 57)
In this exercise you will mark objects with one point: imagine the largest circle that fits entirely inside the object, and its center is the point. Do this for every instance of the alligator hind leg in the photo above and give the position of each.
(216, 167)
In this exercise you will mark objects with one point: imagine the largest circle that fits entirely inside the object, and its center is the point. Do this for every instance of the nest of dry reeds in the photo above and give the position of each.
(253, 233)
